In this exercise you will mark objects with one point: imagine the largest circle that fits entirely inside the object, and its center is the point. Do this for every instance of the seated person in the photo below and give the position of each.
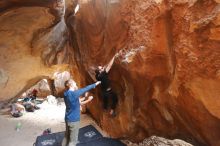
(34, 94)
(30, 107)
(28, 104)
(28, 98)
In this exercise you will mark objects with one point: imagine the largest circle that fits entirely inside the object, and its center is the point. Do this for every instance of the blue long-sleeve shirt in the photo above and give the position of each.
(71, 99)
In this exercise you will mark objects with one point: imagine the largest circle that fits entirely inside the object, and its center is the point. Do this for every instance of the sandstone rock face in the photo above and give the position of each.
(33, 44)
(166, 74)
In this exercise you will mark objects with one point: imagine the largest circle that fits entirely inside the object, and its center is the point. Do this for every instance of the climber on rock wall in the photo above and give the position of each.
(106, 90)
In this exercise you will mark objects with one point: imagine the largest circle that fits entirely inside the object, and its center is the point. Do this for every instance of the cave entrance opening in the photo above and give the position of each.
(44, 98)
(53, 86)
(42, 93)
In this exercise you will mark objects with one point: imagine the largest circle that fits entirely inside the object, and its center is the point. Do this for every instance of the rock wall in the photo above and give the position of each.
(34, 43)
(166, 74)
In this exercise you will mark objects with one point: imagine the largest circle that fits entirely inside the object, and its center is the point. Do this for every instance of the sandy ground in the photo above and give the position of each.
(33, 125)
(52, 116)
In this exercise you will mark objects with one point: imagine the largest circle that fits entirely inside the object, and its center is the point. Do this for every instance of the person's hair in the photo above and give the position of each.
(66, 84)
(97, 71)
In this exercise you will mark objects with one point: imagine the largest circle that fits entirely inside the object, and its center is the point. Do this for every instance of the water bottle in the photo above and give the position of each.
(18, 126)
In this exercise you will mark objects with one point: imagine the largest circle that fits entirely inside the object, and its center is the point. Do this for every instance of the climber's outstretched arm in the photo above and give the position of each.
(109, 65)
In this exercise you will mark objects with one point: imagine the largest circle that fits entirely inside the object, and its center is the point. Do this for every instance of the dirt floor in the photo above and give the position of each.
(33, 125)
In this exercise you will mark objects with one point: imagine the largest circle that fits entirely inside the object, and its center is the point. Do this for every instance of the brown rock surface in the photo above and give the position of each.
(33, 44)
(166, 76)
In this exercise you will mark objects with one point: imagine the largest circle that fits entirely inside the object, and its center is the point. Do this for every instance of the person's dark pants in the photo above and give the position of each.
(109, 96)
